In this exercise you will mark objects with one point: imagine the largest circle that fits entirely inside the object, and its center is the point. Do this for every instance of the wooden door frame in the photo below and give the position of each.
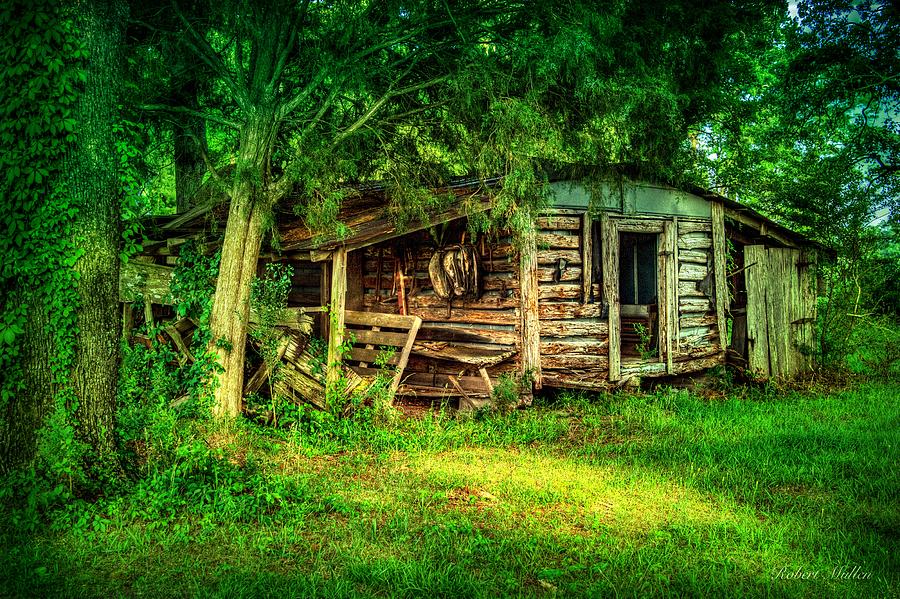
(610, 228)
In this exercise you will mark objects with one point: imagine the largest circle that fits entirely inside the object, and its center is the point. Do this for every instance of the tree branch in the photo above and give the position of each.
(197, 113)
(208, 54)
(364, 118)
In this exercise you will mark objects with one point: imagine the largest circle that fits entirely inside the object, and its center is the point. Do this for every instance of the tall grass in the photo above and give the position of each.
(666, 493)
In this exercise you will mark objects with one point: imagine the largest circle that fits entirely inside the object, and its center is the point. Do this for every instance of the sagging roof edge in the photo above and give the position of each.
(461, 184)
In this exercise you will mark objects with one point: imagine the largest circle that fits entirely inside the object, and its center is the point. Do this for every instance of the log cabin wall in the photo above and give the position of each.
(697, 340)
(573, 328)
(489, 322)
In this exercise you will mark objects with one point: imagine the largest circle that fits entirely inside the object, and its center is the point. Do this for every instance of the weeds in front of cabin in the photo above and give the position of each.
(644, 346)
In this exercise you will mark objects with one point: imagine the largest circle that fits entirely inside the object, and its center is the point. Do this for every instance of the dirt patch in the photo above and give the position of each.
(472, 496)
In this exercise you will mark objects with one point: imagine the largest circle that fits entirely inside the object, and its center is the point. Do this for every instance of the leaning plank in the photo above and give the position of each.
(172, 332)
(294, 318)
(301, 382)
(404, 356)
(361, 354)
(378, 319)
(262, 372)
(378, 337)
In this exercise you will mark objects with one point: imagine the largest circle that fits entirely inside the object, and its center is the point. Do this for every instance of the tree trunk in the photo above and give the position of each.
(190, 145)
(240, 252)
(27, 413)
(93, 182)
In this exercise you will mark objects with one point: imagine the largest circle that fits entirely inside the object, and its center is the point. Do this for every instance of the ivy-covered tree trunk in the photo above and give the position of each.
(27, 412)
(92, 180)
(240, 253)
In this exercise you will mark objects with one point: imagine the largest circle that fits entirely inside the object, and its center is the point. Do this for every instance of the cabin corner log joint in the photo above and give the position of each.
(660, 282)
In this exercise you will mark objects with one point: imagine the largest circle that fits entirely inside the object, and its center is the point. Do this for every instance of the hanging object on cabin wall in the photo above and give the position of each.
(453, 271)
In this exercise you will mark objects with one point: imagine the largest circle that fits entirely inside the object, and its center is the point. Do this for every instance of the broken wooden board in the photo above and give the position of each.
(394, 332)
(302, 376)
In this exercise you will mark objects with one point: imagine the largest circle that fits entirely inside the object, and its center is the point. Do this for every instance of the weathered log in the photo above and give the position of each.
(558, 223)
(141, 280)
(591, 379)
(574, 346)
(561, 310)
(694, 241)
(553, 256)
(558, 240)
(472, 333)
(688, 271)
(706, 320)
(688, 226)
(694, 305)
(589, 328)
(575, 362)
(696, 256)
(561, 291)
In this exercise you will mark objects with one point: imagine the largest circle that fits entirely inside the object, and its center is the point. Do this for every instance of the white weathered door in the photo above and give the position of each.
(781, 311)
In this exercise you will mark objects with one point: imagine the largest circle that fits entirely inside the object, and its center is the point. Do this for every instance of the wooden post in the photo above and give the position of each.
(718, 242)
(609, 238)
(586, 258)
(336, 316)
(668, 306)
(531, 328)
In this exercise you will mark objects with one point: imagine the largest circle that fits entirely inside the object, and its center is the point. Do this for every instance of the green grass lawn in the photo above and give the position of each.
(615, 496)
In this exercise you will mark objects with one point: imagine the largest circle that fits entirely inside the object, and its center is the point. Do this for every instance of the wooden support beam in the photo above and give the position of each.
(262, 373)
(718, 242)
(586, 258)
(336, 317)
(668, 305)
(487, 380)
(321, 255)
(609, 237)
(531, 328)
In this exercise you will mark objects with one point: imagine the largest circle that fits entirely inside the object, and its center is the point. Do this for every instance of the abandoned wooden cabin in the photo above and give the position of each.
(640, 280)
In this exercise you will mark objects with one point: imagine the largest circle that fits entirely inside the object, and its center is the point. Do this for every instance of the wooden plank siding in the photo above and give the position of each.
(781, 310)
